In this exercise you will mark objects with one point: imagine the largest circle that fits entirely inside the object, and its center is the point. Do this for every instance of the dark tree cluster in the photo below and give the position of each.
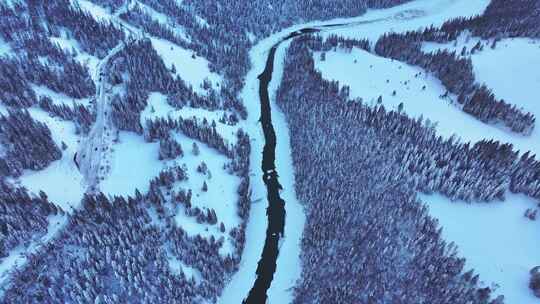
(334, 42)
(126, 110)
(145, 67)
(22, 217)
(231, 119)
(456, 74)
(159, 129)
(165, 181)
(27, 143)
(71, 79)
(14, 20)
(534, 282)
(113, 251)
(209, 216)
(376, 241)
(485, 106)
(139, 18)
(78, 113)
(519, 18)
(94, 37)
(37, 59)
(15, 90)
(169, 148)
(146, 72)
(526, 176)
(241, 153)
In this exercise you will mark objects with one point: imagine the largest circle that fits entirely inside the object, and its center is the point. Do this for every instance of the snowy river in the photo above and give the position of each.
(269, 269)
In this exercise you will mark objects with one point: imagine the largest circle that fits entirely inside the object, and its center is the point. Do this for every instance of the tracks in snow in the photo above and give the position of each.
(94, 153)
(94, 156)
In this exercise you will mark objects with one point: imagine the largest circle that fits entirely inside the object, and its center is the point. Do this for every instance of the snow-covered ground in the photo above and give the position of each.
(134, 163)
(220, 196)
(495, 238)
(94, 151)
(159, 108)
(4, 48)
(192, 70)
(61, 180)
(410, 16)
(59, 98)
(511, 71)
(240, 284)
(99, 13)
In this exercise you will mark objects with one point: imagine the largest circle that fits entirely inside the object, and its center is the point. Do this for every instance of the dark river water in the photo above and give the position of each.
(276, 205)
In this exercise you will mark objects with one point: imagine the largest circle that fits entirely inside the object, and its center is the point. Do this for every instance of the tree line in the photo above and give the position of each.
(456, 74)
(368, 239)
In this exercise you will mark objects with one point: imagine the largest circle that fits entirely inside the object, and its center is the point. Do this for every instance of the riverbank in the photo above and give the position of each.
(288, 265)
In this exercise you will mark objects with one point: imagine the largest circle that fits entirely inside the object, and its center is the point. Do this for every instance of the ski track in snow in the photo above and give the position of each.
(96, 146)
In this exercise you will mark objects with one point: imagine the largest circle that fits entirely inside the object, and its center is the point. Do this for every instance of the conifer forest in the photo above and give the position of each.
(270, 151)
